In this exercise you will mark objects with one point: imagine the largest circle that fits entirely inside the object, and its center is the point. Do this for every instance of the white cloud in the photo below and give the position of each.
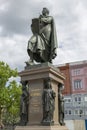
(4, 5)
(13, 50)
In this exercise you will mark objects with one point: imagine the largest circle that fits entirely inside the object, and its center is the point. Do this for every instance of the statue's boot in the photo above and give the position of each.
(30, 62)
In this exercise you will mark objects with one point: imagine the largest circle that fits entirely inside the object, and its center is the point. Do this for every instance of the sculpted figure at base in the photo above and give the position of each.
(61, 105)
(24, 105)
(43, 44)
(48, 103)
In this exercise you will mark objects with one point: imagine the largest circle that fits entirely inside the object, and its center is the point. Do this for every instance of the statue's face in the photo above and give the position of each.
(48, 84)
(44, 12)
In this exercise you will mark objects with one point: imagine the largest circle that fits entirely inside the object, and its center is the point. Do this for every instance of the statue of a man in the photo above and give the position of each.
(43, 44)
(48, 103)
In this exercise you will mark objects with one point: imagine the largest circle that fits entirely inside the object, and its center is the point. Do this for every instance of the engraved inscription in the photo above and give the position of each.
(35, 100)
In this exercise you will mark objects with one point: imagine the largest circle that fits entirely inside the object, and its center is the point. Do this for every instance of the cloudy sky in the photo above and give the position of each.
(71, 25)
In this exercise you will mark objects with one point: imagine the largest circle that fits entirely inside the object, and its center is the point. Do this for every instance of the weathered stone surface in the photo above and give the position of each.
(35, 76)
(41, 71)
(41, 128)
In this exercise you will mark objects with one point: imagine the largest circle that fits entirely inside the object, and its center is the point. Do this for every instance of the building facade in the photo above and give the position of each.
(78, 77)
(75, 91)
(75, 106)
(65, 70)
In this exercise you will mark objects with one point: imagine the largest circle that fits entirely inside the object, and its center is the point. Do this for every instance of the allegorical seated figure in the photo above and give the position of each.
(43, 44)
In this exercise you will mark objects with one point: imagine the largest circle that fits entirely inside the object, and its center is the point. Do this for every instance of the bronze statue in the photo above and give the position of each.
(61, 105)
(24, 104)
(43, 44)
(48, 103)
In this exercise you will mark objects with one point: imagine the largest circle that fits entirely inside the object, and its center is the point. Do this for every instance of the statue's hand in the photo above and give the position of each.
(41, 16)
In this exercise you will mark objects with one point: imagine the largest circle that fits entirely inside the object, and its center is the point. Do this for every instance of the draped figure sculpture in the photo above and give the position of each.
(43, 44)
(24, 104)
(61, 104)
(48, 98)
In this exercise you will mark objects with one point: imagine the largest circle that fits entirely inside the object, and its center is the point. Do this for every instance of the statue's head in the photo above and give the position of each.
(48, 83)
(60, 86)
(45, 11)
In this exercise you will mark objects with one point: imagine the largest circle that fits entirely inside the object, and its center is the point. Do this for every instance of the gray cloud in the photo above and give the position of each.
(17, 18)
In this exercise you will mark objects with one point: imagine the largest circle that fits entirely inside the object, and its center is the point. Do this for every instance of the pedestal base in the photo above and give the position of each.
(56, 127)
(36, 76)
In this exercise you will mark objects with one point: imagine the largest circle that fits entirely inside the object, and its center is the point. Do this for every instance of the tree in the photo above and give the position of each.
(13, 107)
(9, 94)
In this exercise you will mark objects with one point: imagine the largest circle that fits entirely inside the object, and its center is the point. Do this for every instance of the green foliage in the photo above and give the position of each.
(13, 103)
(5, 73)
(9, 94)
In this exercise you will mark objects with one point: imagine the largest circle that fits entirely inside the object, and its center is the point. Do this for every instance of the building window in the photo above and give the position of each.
(85, 98)
(79, 99)
(67, 100)
(76, 72)
(76, 99)
(77, 84)
(76, 112)
(69, 112)
(79, 112)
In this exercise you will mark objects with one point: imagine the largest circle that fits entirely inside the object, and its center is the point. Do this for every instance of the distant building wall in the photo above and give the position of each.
(75, 106)
(65, 70)
(78, 77)
(75, 91)
(76, 124)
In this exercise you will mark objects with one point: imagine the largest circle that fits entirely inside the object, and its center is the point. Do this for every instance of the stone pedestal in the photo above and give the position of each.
(35, 75)
(55, 127)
